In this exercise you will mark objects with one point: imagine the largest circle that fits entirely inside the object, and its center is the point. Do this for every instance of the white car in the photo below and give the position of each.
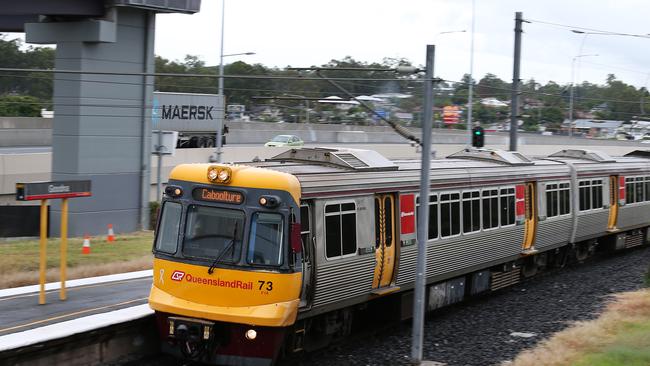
(285, 140)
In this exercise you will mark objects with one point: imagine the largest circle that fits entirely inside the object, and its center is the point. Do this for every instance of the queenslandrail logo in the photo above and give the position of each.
(178, 275)
(217, 282)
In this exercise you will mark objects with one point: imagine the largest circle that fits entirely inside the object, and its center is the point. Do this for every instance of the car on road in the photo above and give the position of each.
(285, 140)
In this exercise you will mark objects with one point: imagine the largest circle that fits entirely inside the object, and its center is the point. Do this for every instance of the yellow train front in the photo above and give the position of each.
(227, 274)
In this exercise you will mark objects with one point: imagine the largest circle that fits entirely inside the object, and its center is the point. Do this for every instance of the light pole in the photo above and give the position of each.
(435, 38)
(573, 66)
(221, 114)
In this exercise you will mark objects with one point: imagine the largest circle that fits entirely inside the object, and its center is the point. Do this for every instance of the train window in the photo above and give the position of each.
(471, 211)
(558, 198)
(170, 222)
(266, 238)
(597, 194)
(585, 197)
(638, 189)
(507, 206)
(304, 219)
(433, 217)
(591, 194)
(377, 223)
(211, 230)
(388, 216)
(305, 231)
(565, 198)
(647, 188)
(629, 190)
(340, 230)
(490, 202)
(449, 214)
(552, 201)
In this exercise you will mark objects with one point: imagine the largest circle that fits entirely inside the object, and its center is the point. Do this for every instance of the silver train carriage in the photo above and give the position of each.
(494, 217)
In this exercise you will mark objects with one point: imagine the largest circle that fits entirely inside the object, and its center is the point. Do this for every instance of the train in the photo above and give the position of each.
(262, 260)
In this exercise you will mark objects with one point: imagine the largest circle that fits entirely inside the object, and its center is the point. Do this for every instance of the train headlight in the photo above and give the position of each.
(213, 173)
(224, 176)
(219, 174)
(173, 191)
(269, 201)
(251, 334)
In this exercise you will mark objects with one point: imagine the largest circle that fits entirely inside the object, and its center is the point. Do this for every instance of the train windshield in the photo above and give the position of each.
(211, 231)
(170, 223)
(265, 244)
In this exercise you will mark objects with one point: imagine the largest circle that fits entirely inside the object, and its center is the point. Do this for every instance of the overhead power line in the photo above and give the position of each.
(212, 76)
(600, 31)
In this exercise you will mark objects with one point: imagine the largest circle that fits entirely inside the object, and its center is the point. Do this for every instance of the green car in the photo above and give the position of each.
(285, 140)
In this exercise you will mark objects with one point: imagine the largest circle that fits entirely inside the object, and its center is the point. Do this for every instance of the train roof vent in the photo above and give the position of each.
(584, 154)
(639, 153)
(356, 159)
(498, 156)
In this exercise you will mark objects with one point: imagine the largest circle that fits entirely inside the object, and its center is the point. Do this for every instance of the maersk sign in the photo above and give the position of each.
(186, 112)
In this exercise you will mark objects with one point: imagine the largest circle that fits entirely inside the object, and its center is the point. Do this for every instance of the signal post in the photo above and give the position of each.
(51, 190)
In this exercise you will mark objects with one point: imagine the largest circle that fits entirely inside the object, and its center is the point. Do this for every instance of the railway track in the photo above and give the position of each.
(491, 329)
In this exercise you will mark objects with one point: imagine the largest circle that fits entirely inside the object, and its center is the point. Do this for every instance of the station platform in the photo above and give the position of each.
(92, 303)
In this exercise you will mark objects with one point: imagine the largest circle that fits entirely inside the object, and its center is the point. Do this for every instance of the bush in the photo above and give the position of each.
(19, 106)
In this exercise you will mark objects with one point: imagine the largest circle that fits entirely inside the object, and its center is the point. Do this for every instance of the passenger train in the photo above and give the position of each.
(269, 258)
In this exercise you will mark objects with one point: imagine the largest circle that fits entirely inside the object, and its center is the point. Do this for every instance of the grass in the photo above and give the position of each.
(620, 336)
(19, 259)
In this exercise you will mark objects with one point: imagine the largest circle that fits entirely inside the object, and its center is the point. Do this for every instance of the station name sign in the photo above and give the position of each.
(216, 195)
(49, 190)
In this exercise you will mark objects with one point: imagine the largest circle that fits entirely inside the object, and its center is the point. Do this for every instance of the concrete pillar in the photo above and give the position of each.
(102, 123)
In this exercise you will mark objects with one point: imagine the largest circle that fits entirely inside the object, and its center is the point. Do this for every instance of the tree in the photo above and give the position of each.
(38, 85)
(491, 86)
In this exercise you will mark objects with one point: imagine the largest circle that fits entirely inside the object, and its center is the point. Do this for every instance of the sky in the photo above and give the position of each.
(307, 32)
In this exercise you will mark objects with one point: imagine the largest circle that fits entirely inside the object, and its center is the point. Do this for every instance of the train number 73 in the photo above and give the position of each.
(269, 285)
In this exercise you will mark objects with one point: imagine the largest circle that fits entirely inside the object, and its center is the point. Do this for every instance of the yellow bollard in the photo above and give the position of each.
(64, 245)
(43, 250)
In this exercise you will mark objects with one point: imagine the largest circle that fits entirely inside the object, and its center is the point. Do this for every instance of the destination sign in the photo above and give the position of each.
(216, 195)
(49, 190)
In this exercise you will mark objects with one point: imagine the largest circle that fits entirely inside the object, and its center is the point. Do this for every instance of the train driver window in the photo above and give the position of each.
(170, 222)
(265, 246)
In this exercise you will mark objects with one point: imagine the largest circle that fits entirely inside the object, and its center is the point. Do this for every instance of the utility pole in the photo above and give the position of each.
(423, 213)
(514, 100)
(470, 96)
(222, 113)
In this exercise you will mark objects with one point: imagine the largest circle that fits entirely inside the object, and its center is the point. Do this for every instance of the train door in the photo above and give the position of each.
(308, 256)
(613, 203)
(530, 217)
(384, 240)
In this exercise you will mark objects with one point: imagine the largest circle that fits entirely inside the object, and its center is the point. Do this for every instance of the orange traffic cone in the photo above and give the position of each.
(111, 234)
(86, 248)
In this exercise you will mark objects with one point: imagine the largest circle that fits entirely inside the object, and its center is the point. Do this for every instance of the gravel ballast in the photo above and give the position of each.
(496, 328)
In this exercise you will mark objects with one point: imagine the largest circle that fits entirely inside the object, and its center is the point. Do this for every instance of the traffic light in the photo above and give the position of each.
(478, 136)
